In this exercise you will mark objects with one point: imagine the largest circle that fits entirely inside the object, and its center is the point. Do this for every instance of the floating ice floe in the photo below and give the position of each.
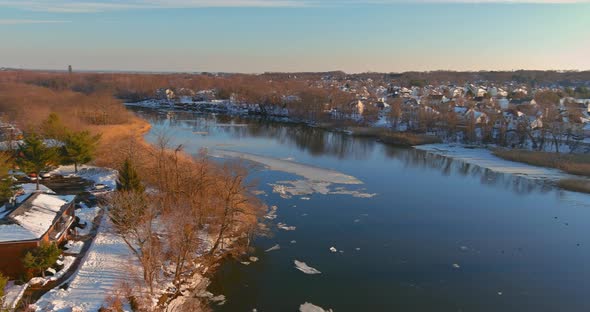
(293, 242)
(464, 248)
(456, 266)
(275, 247)
(305, 198)
(272, 214)
(288, 189)
(309, 172)
(285, 227)
(303, 267)
(357, 249)
(253, 259)
(309, 307)
(333, 249)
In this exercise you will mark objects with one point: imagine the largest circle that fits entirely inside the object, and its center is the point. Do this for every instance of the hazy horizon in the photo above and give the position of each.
(255, 36)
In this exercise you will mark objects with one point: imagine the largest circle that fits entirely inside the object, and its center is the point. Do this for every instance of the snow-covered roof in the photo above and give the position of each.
(33, 218)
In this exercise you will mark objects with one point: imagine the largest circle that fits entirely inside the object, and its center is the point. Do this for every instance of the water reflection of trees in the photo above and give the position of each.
(317, 141)
(314, 141)
(448, 166)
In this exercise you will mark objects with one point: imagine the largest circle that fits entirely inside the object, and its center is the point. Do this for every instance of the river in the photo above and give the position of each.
(412, 231)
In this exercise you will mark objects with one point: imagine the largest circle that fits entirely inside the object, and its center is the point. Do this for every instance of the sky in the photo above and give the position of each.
(255, 36)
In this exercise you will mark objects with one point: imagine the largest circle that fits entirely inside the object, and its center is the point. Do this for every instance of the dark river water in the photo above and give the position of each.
(439, 235)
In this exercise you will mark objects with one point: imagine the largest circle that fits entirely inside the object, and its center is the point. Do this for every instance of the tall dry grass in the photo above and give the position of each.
(577, 164)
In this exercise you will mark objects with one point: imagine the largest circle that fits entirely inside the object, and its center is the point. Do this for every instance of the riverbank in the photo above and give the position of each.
(574, 164)
(490, 159)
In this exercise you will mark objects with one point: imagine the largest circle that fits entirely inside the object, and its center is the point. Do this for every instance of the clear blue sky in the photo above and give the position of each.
(293, 35)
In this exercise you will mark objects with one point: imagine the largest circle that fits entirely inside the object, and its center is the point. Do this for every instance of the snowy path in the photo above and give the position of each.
(107, 264)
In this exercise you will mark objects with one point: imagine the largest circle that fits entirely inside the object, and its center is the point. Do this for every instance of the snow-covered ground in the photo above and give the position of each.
(12, 294)
(98, 175)
(107, 264)
(484, 158)
(87, 216)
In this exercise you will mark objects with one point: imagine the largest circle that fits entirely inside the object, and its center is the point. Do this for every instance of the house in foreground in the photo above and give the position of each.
(40, 218)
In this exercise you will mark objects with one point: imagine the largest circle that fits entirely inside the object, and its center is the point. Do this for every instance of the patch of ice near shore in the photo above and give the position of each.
(288, 189)
(272, 214)
(309, 307)
(306, 171)
(316, 179)
(484, 158)
(303, 267)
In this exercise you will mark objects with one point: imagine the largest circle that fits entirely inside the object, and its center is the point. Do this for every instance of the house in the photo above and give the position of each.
(42, 217)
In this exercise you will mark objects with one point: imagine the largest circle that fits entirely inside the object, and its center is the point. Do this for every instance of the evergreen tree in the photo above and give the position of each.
(79, 148)
(5, 180)
(41, 258)
(3, 282)
(129, 180)
(53, 128)
(34, 156)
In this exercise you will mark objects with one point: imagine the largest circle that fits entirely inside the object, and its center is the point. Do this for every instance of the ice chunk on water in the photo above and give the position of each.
(456, 266)
(275, 247)
(285, 227)
(303, 267)
(309, 307)
(272, 214)
(333, 249)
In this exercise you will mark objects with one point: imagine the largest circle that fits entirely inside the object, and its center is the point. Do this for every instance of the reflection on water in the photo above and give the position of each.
(316, 141)
(440, 235)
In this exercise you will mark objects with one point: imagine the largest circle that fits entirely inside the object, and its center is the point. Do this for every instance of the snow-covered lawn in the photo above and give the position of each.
(107, 264)
(484, 158)
(98, 175)
(12, 294)
(87, 216)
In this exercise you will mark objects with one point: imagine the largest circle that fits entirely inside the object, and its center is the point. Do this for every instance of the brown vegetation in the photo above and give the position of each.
(576, 185)
(578, 164)
(395, 138)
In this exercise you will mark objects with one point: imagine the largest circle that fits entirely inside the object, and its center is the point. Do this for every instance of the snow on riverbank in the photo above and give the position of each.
(106, 265)
(484, 158)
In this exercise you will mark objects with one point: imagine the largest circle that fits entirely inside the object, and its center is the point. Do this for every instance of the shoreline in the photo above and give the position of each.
(385, 136)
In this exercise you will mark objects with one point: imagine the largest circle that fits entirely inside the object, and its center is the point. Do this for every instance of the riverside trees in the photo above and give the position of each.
(194, 212)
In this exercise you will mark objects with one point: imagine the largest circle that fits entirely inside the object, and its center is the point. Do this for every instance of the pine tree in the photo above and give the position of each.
(3, 282)
(79, 148)
(129, 180)
(53, 128)
(5, 180)
(34, 156)
(41, 258)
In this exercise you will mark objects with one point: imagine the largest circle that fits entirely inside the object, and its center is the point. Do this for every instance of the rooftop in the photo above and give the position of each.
(33, 218)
